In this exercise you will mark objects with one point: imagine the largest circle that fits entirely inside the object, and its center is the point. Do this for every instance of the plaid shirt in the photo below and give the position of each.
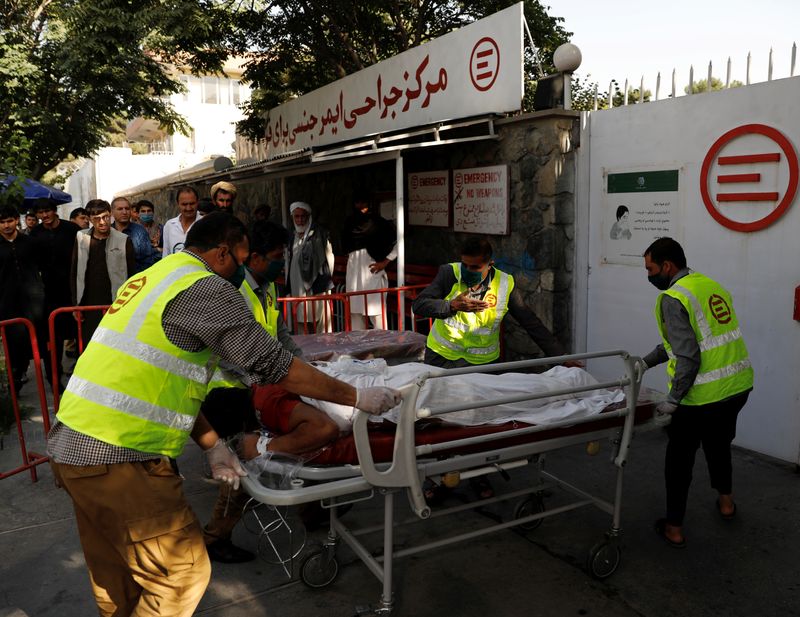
(209, 314)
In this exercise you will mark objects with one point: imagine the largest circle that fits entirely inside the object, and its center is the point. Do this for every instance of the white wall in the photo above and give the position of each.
(761, 269)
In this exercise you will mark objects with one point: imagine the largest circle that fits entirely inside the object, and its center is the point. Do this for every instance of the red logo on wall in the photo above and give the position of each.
(740, 183)
(484, 64)
(719, 309)
(128, 293)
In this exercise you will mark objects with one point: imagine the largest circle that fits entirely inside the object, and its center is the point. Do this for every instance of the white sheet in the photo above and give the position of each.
(474, 387)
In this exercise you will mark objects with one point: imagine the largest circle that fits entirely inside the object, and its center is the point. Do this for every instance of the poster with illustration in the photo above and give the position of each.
(638, 208)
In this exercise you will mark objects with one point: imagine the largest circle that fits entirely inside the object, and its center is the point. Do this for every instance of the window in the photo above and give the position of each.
(211, 90)
(235, 97)
(185, 83)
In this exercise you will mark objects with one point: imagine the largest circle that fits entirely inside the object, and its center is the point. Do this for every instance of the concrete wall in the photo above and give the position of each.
(759, 268)
(539, 252)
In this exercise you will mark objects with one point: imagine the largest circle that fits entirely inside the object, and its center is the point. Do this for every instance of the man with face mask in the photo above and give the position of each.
(710, 378)
(468, 300)
(133, 402)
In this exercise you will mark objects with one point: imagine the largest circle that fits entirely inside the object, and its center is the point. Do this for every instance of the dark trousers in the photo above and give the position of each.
(711, 426)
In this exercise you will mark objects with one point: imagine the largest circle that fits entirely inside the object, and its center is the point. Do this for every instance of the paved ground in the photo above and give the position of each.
(747, 567)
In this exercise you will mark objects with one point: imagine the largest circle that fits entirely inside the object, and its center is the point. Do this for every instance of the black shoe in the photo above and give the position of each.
(225, 551)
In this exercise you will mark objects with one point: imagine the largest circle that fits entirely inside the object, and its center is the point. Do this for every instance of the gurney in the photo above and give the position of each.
(420, 446)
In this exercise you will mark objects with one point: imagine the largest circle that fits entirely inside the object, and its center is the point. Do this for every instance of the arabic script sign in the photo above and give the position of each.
(429, 198)
(473, 71)
(480, 200)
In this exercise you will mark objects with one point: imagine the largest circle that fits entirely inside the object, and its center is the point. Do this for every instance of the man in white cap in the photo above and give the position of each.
(310, 268)
(222, 196)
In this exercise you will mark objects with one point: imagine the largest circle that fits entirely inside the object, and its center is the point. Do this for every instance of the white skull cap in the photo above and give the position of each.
(301, 205)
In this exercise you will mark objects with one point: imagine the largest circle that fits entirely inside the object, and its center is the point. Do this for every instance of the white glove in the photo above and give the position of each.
(224, 464)
(378, 399)
(665, 408)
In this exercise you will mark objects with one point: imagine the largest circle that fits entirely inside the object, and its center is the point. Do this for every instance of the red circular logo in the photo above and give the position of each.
(739, 177)
(719, 309)
(484, 64)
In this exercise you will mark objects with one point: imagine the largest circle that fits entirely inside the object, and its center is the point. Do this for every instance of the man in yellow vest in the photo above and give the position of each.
(710, 378)
(134, 400)
(468, 301)
(228, 407)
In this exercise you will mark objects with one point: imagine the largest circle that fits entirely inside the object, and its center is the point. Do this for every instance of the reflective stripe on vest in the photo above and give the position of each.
(473, 337)
(725, 368)
(222, 378)
(132, 387)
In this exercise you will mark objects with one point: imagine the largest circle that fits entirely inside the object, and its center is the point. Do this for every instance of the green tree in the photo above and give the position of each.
(297, 46)
(716, 84)
(69, 68)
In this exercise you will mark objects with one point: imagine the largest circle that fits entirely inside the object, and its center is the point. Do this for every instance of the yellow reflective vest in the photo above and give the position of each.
(725, 368)
(132, 387)
(474, 337)
(268, 319)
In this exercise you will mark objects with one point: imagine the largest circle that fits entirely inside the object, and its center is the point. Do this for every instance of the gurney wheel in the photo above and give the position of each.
(526, 507)
(319, 569)
(603, 559)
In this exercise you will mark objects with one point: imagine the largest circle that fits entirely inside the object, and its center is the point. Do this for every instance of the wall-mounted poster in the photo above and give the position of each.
(429, 198)
(639, 207)
(480, 200)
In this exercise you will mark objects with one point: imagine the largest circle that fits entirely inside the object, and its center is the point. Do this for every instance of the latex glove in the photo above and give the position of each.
(665, 408)
(224, 464)
(378, 399)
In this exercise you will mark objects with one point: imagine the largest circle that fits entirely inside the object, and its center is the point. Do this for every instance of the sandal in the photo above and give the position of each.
(726, 517)
(661, 530)
(482, 487)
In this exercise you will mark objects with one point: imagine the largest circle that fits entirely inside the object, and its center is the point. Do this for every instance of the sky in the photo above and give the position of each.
(622, 39)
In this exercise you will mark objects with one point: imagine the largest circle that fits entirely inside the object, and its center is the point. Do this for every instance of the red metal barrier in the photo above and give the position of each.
(52, 347)
(29, 459)
(394, 301)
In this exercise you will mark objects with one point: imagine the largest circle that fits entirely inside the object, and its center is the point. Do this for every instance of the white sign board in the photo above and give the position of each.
(429, 198)
(639, 207)
(473, 71)
(480, 200)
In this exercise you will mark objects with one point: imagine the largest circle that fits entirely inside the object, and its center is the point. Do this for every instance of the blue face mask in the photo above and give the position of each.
(274, 270)
(470, 278)
(146, 218)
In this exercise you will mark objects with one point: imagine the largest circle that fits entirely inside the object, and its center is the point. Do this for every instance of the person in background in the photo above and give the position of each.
(262, 213)
(134, 213)
(147, 219)
(206, 206)
(369, 241)
(223, 195)
(119, 430)
(31, 222)
(710, 377)
(21, 291)
(55, 239)
(102, 260)
(142, 247)
(175, 229)
(310, 268)
(79, 217)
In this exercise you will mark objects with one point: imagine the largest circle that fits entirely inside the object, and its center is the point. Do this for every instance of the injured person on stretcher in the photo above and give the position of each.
(303, 426)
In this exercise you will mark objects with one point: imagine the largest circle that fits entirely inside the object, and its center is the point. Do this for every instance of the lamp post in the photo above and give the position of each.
(567, 58)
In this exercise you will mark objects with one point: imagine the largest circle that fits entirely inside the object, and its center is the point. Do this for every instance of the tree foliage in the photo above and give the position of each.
(296, 46)
(68, 68)
(716, 84)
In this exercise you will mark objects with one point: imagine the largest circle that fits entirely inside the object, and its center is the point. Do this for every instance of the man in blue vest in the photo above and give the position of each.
(119, 430)
(710, 378)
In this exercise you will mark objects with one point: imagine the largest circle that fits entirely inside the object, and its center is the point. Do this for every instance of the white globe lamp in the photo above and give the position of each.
(567, 58)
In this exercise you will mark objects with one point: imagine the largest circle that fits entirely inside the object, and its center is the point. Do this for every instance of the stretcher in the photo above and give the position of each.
(378, 462)
(393, 345)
